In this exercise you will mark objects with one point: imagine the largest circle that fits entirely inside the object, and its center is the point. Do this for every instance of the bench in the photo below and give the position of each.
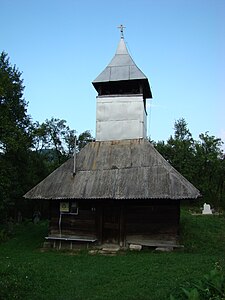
(70, 239)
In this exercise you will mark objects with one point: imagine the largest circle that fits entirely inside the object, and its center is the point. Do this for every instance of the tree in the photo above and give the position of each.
(181, 131)
(56, 141)
(14, 121)
(179, 149)
(15, 137)
(209, 167)
(52, 135)
(28, 151)
(202, 162)
(84, 138)
(182, 149)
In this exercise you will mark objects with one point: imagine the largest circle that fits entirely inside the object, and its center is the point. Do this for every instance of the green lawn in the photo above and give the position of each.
(28, 273)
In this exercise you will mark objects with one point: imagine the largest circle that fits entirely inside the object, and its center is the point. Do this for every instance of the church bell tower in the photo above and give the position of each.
(121, 102)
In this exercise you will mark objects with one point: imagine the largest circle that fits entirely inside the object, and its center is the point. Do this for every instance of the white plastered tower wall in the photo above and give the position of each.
(120, 117)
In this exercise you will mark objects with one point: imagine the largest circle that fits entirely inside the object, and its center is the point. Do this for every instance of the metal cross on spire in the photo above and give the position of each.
(121, 27)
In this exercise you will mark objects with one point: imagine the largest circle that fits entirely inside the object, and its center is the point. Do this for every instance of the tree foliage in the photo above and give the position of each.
(29, 151)
(14, 135)
(210, 173)
(55, 139)
(200, 161)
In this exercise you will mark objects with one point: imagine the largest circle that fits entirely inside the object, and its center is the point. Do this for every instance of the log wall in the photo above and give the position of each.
(119, 221)
(81, 224)
(152, 220)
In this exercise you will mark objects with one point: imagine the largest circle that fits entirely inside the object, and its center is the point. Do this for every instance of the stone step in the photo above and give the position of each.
(111, 249)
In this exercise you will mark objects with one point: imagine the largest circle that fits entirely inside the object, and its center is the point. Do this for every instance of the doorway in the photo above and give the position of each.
(111, 224)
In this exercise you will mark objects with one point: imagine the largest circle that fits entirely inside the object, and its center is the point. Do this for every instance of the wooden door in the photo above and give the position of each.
(111, 224)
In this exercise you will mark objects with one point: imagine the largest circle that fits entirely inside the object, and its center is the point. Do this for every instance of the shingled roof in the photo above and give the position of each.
(126, 169)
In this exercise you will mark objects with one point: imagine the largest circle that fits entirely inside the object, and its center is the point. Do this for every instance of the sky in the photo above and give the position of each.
(62, 46)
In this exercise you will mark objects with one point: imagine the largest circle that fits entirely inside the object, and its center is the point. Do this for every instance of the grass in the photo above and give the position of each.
(28, 273)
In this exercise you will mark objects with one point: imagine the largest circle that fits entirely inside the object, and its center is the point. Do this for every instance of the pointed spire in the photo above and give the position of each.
(122, 68)
(122, 49)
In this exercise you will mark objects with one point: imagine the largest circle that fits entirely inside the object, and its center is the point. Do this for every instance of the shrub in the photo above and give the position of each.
(211, 287)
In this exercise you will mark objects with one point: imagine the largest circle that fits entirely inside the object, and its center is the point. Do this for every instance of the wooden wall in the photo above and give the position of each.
(82, 224)
(152, 220)
(118, 221)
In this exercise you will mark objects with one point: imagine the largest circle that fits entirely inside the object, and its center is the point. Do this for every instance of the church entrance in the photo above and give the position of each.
(111, 224)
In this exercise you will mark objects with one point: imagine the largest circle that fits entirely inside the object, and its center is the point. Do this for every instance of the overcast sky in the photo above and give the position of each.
(62, 46)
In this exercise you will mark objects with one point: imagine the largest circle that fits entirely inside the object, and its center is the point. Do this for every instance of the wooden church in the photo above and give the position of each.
(117, 190)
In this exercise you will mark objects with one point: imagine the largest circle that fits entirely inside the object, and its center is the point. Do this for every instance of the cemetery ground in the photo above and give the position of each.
(28, 273)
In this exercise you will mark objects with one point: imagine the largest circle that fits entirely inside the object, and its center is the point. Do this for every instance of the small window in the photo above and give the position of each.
(74, 207)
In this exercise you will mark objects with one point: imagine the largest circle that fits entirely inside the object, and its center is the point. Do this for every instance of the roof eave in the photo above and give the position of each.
(147, 93)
